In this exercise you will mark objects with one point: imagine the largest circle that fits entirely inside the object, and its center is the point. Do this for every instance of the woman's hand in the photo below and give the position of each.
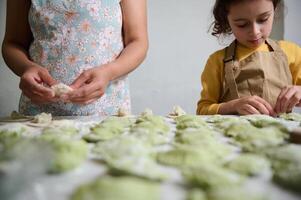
(33, 85)
(247, 106)
(89, 86)
(288, 98)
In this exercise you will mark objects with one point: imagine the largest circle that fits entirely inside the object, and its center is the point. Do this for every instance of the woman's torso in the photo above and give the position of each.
(71, 36)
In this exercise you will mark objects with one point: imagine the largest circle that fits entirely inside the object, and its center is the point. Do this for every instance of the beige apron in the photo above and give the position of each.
(263, 74)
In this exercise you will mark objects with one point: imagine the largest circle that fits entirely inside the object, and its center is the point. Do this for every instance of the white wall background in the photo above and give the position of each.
(179, 48)
(292, 29)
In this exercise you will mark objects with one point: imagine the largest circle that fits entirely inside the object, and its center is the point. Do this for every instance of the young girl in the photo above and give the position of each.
(89, 45)
(254, 74)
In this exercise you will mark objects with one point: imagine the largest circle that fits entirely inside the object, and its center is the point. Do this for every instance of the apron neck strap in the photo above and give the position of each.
(230, 52)
(229, 60)
(273, 45)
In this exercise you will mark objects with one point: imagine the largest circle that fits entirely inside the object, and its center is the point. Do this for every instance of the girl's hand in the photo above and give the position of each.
(288, 98)
(32, 84)
(253, 105)
(89, 86)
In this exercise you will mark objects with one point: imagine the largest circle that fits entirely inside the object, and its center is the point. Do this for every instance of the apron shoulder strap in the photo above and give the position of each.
(230, 52)
(228, 68)
(274, 45)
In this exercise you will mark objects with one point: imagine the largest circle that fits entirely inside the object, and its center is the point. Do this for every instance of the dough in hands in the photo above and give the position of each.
(60, 89)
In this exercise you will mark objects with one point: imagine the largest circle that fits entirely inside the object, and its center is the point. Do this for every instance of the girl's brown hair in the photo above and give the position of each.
(220, 13)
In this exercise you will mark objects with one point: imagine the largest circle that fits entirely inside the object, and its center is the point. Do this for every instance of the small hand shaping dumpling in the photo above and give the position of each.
(60, 89)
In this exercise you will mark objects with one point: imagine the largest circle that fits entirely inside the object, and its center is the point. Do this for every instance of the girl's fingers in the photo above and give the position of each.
(293, 102)
(286, 100)
(279, 100)
(267, 106)
(260, 108)
(249, 110)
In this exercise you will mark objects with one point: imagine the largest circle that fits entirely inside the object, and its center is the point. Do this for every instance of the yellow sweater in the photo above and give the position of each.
(213, 75)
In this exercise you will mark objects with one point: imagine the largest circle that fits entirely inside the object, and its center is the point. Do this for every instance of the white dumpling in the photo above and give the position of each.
(60, 89)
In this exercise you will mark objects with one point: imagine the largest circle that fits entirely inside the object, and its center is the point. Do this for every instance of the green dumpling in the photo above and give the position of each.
(253, 139)
(196, 194)
(223, 122)
(261, 121)
(129, 155)
(210, 176)
(235, 193)
(152, 123)
(103, 132)
(291, 116)
(118, 188)
(67, 154)
(124, 121)
(182, 158)
(249, 164)
(61, 128)
(286, 163)
(108, 129)
(15, 130)
(190, 121)
(195, 136)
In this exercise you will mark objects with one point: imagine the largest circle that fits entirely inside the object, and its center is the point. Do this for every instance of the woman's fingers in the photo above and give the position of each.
(81, 80)
(37, 99)
(29, 83)
(83, 99)
(45, 77)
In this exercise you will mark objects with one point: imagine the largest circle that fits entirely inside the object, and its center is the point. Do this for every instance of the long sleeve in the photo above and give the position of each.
(211, 80)
(293, 53)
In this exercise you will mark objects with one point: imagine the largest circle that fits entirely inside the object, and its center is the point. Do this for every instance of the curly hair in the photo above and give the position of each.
(220, 13)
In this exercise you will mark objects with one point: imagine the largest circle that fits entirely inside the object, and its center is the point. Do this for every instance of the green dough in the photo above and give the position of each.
(60, 131)
(149, 137)
(13, 131)
(184, 158)
(261, 121)
(195, 136)
(291, 116)
(249, 164)
(235, 193)
(129, 155)
(196, 194)
(64, 128)
(286, 163)
(67, 154)
(210, 176)
(152, 123)
(253, 139)
(104, 132)
(190, 121)
(214, 149)
(124, 121)
(118, 188)
(223, 122)
(109, 128)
